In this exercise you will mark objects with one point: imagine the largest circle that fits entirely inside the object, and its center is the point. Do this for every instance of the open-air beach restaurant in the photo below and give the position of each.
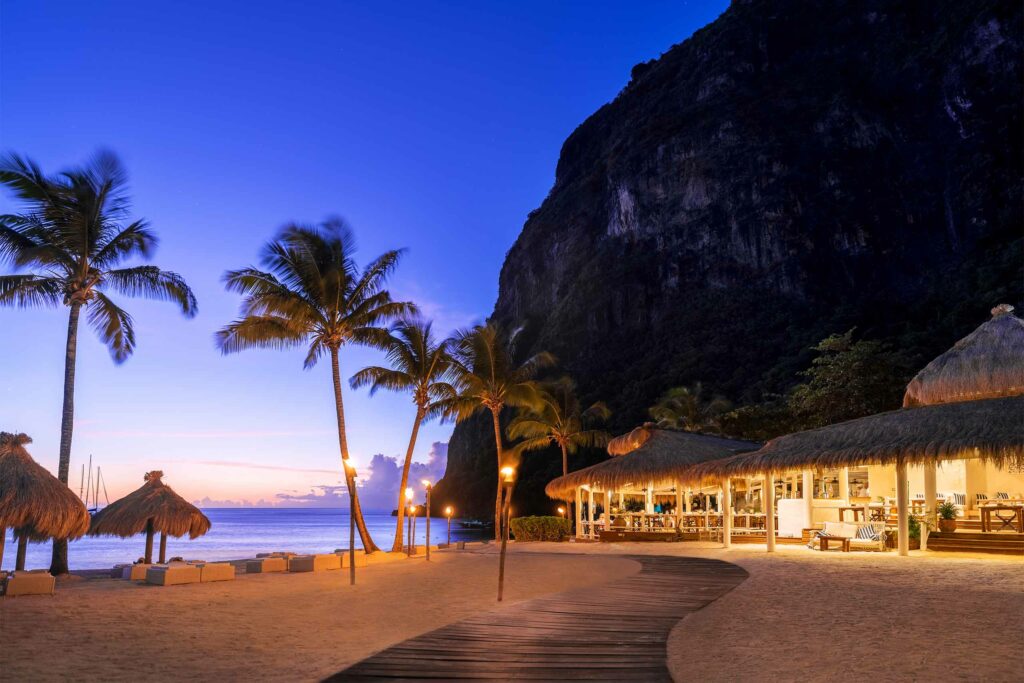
(946, 471)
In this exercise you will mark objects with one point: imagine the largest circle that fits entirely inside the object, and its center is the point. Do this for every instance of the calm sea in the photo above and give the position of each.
(238, 533)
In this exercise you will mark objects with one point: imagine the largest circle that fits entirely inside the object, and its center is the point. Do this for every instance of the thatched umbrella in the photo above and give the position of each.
(34, 502)
(967, 403)
(648, 454)
(152, 507)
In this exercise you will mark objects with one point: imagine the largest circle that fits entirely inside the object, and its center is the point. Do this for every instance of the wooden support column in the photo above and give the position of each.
(590, 513)
(902, 508)
(688, 500)
(769, 511)
(844, 483)
(931, 492)
(808, 499)
(649, 499)
(607, 509)
(679, 505)
(579, 513)
(725, 503)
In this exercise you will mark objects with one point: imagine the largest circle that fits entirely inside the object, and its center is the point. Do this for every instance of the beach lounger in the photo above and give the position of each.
(35, 582)
(135, 572)
(314, 563)
(266, 565)
(869, 537)
(173, 574)
(215, 571)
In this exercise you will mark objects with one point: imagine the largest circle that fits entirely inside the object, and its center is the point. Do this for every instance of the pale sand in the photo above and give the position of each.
(283, 627)
(805, 615)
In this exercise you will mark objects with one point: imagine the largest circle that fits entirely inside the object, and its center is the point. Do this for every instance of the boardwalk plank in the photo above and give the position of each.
(604, 633)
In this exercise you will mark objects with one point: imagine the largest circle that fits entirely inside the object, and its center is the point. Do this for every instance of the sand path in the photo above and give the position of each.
(266, 627)
(811, 616)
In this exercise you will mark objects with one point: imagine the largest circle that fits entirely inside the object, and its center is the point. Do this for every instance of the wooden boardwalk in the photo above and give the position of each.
(611, 632)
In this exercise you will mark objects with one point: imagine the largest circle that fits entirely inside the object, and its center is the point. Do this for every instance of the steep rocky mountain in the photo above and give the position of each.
(792, 170)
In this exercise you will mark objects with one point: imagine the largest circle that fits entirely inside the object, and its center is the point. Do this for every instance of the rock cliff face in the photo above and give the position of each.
(793, 169)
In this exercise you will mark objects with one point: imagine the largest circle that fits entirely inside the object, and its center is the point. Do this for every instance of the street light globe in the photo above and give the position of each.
(408, 493)
(426, 483)
(508, 472)
(561, 511)
(448, 511)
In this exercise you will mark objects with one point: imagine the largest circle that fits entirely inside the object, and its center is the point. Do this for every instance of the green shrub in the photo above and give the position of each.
(540, 528)
(946, 510)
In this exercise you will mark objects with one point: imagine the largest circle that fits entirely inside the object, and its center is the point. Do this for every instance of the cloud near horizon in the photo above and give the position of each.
(378, 489)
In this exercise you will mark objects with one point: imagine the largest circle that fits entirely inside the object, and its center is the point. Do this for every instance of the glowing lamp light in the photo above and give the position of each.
(426, 483)
(448, 511)
(561, 511)
(508, 473)
(408, 493)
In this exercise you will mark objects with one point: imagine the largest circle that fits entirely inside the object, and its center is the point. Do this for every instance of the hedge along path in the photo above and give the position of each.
(613, 632)
(540, 528)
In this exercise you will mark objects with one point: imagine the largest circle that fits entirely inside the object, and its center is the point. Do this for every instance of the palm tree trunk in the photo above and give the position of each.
(59, 557)
(364, 535)
(3, 540)
(163, 547)
(495, 413)
(396, 547)
(19, 560)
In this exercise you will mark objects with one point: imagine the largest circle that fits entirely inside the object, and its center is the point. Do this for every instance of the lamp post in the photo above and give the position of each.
(426, 485)
(509, 477)
(408, 522)
(448, 514)
(351, 527)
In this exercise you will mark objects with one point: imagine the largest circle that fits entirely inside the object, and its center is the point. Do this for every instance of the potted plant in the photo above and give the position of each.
(947, 517)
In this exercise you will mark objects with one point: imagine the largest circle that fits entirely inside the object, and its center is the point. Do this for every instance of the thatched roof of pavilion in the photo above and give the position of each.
(987, 363)
(32, 499)
(991, 430)
(660, 456)
(171, 514)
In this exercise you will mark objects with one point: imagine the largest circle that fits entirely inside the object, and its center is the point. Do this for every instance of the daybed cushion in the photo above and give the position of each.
(38, 582)
(265, 565)
(314, 563)
(173, 574)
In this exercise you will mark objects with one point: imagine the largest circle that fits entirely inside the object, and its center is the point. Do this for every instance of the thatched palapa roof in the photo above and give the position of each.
(967, 403)
(32, 499)
(987, 363)
(154, 500)
(992, 430)
(659, 456)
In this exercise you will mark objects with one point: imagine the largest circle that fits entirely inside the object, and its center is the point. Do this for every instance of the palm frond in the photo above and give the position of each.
(112, 325)
(27, 291)
(259, 332)
(153, 283)
(137, 238)
(378, 378)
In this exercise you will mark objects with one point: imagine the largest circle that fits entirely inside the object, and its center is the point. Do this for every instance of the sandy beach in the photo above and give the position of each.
(287, 627)
(801, 615)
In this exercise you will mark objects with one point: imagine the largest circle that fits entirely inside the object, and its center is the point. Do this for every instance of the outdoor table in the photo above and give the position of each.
(844, 543)
(878, 513)
(1016, 520)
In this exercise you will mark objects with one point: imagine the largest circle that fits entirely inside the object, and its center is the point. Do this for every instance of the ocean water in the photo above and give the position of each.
(241, 532)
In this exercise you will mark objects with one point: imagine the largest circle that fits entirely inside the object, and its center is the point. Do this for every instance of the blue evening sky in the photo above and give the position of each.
(431, 126)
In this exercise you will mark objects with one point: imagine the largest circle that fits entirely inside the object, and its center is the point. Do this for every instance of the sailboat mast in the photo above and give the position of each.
(81, 482)
(88, 484)
(105, 496)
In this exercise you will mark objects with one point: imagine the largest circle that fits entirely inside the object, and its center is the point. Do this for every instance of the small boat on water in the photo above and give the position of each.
(476, 524)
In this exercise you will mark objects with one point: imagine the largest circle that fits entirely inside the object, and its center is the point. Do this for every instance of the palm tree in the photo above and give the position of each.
(418, 364)
(76, 232)
(560, 421)
(314, 295)
(489, 375)
(685, 408)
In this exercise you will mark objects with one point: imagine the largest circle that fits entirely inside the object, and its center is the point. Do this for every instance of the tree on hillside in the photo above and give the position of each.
(489, 374)
(420, 365)
(849, 379)
(686, 408)
(76, 233)
(312, 294)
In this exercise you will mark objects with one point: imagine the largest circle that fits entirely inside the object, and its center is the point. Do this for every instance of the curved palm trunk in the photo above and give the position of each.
(396, 547)
(163, 547)
(357, 511)
(3, 539)
(59, 557)
(501, 457)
